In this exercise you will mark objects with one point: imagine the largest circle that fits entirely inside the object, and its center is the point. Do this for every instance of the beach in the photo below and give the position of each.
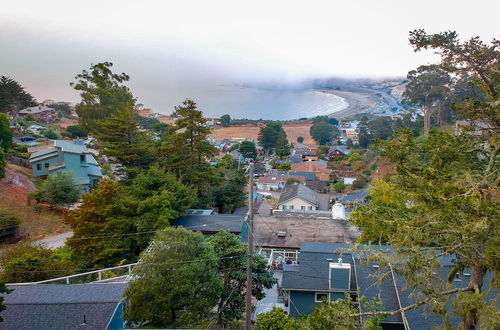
(358, 102)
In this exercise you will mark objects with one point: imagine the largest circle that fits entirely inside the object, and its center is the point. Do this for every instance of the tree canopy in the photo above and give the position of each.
(225, 120)
(60, 189)
(268, 135)
(177, 282)
(5, 133)
(323, 132)
(247, 149)
(13, 97)
(103, 95)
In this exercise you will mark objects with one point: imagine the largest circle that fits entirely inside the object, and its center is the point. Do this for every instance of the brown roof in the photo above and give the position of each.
(310, 167)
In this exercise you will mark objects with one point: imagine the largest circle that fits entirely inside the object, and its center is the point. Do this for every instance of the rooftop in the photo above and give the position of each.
(298, 190)
(211, 223)
(52, 306)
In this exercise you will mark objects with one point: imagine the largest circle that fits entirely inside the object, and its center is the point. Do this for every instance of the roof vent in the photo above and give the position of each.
(340, 262)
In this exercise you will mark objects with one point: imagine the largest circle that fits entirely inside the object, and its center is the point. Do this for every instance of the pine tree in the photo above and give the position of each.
(282, 147)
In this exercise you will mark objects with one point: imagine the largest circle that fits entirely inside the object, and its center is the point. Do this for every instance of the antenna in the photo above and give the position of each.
(84, 321)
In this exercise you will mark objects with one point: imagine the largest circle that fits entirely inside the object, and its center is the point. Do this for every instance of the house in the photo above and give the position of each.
(145, 112)
(299, 198)
(337, 152)
(306, 175)
(169, 120)
(40, 113)
(70, 156)
(299, 147)
(212, 224)
(324, 272)
(63, 306)
(276, 182)
(321, 172)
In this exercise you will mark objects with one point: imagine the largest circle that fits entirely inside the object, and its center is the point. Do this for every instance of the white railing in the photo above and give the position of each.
(276, 256)
(100, 276)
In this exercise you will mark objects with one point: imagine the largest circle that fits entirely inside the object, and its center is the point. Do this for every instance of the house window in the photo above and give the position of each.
(310, 208)
(46, 165)
(82, 158)
(38, 167)
(320, 296)
(284, 207)
(302, 207)
(291, 207)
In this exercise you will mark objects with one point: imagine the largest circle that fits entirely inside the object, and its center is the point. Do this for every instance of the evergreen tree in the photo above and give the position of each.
(119, 138)
(268, 135)
(103, 95)
(60, 189)
(427, 88)
(13, 97)
(248, 150)
(187, 150)
(323, 132)
(282, 148)
(364, 137)
(231, 252)
(225, 120)
(5, 133)
(176, 283)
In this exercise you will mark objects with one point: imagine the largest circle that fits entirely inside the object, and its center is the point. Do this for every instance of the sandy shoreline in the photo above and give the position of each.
(358, 102)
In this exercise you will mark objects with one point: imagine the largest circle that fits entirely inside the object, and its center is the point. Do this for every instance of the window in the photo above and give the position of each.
(310, 208)
(46, 165)
(82, 158)
(291, 207)
(284, 207)
(302, 207)
(320, 296)
(38, 167)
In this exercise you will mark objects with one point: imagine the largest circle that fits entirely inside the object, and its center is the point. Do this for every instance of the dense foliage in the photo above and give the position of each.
(177, 282)
(232, 254)
(5, 133)
(13, 97)
(9, 224)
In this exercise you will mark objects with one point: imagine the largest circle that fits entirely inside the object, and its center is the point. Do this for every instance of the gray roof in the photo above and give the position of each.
(42, 154)
(211, 223)
(298, 190)
(307, 175)
(71, 146)
(312, 270)
(52, 306)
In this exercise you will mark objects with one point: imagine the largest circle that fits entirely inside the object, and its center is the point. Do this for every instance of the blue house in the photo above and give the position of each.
(322, 273)
(71, 156)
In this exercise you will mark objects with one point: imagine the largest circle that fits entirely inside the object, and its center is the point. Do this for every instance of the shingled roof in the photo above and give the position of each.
(53, 306)
(298, 190)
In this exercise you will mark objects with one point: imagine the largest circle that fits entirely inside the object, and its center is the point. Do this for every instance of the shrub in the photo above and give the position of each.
(339, 186)
(27, 263)
(50, 134)
(360, 182)
(9, 224)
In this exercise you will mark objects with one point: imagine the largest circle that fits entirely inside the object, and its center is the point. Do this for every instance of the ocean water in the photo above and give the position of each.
(258, 103)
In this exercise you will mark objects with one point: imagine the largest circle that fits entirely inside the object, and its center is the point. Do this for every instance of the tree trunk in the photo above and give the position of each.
(427, 120)
(476, 283)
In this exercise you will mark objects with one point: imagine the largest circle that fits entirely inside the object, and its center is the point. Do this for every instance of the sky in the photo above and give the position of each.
(177, 46)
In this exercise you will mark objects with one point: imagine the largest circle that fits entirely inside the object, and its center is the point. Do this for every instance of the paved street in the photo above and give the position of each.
(54, 242)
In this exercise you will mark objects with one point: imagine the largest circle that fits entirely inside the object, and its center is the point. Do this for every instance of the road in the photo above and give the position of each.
(54, 242)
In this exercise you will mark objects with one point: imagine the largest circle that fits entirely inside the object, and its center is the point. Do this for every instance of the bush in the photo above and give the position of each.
(9, 224)
(300, 139)
(50, 134)
(339, 186)
(27, 263)
(286, 166)
(60, 189)
(360, 182)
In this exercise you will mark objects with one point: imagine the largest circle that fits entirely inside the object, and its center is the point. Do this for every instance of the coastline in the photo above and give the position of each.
(357, 102)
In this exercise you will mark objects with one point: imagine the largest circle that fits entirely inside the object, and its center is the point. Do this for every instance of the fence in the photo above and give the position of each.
(111, 274)
(20, 161)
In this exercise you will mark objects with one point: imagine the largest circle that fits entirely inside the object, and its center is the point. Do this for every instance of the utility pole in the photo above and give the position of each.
(248, 297)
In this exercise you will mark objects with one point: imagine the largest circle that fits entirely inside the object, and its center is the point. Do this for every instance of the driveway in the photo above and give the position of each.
(54, 242)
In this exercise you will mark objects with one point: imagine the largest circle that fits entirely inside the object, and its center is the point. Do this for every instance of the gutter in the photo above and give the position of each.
(403, 316)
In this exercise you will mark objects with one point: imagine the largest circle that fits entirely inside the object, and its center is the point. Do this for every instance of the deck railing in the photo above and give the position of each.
(110, 274)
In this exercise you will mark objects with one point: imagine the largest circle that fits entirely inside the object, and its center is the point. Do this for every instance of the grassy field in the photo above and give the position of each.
(14, 199)
(293, 131)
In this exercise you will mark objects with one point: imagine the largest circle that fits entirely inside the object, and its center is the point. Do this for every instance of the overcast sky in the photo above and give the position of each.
(178, 45)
